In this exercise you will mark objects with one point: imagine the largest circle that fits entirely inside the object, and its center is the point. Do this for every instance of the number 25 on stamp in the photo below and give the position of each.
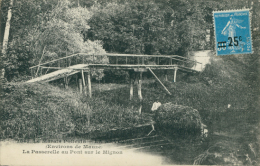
(232, 32)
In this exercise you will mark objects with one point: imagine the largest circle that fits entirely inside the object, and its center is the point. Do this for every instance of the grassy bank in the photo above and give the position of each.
(31, 111)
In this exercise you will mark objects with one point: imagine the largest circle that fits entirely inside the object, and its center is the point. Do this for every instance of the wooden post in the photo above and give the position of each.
(83, 81)
(140, 108)
(159, 81)
(166, 75)
(131, 76)
(77, 81)
(126, 60)
(86, 83)
(139, 92)
(131, 87)
(80, 86)
(139, 87)
(89, 85)
(66, 82)
(175, 74)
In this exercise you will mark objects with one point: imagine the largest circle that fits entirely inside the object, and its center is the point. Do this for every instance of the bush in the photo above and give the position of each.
(171, 119)
(106, 116)
(30, 111)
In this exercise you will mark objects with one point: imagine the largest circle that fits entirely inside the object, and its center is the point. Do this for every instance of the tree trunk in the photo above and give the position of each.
(6, 33)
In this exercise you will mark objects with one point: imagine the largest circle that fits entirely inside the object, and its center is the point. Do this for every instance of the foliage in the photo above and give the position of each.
(98, 74)
(132, 27)
(171, 118)
(157, 26)
(31, 111)
(119, 76)
(45, 30)
(105, 117)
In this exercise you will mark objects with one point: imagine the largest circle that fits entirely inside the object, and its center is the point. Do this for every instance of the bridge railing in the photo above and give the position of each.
(116, 59)
(61, 63)
(152, 60)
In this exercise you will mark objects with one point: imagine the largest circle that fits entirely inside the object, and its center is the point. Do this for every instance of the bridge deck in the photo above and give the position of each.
(77, 68)
(75, 65)
(59, 73)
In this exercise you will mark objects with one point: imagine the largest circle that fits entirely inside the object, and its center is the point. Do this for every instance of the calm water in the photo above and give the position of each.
(178, 149)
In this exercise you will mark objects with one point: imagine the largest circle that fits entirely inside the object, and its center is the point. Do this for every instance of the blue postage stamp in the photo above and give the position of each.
(232, 32)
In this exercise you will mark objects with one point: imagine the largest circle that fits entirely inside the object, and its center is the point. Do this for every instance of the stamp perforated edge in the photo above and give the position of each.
(250, 28)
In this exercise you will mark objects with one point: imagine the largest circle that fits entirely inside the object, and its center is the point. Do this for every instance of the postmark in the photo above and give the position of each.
(232, 32)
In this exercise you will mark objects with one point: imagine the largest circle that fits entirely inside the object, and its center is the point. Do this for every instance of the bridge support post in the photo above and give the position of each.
(80, 86)
(139, 92)
(86, 83)
(131, 85)
(139, 86)
(160, 81)
(83, 81)
(131, 88)
(66, 83)
(89, 85)
(77, 81)
(175, 74)
(166, 75)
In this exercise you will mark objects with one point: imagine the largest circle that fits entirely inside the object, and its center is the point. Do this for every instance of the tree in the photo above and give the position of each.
(6, 33)
(132, 27)
(157, 26)
(45, 30)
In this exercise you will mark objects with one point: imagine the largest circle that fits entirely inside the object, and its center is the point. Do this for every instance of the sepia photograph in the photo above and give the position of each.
(130, 82)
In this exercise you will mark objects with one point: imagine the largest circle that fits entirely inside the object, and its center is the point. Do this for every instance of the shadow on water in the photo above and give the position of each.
(225, 144)
(175, 149)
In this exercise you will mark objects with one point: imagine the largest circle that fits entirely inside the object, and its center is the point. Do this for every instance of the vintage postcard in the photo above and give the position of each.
(129, 82)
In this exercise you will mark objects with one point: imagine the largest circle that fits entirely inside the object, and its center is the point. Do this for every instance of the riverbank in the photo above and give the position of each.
(225, 94)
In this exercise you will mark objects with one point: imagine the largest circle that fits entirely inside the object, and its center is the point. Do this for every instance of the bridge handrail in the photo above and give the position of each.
(160, 56)
(58, 59)
(118, 55)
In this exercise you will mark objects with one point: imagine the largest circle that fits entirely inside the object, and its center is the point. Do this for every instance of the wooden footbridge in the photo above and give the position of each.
(84, 63)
